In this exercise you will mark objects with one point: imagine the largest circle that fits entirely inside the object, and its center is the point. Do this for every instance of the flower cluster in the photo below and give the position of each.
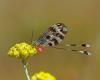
(42, 76)
(22, 50)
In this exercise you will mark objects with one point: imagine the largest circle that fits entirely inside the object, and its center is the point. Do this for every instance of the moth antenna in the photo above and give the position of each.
(83, 52)
(32, 36)
(83, 45)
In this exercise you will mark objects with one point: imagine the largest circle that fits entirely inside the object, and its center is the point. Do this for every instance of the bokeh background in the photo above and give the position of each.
(19, 17)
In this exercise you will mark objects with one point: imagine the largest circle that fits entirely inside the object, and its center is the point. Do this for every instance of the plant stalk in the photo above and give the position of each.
(26, 69)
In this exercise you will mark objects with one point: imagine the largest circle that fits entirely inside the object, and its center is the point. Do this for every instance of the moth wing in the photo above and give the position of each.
(53, 36)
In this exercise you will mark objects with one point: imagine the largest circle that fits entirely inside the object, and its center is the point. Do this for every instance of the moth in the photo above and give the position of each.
(54, 35)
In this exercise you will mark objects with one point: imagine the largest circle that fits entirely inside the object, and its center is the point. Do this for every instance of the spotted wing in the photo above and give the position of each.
(53, 36)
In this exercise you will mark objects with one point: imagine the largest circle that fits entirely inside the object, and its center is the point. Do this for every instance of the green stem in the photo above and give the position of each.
(26, 69)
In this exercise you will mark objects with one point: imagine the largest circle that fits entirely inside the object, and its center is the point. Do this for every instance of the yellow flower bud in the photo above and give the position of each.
(22, 50)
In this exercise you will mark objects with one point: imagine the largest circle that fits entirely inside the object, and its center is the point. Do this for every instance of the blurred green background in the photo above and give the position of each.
(19, 17)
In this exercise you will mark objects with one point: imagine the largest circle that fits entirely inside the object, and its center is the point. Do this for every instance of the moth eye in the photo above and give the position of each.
(50, 44)
(47, 37)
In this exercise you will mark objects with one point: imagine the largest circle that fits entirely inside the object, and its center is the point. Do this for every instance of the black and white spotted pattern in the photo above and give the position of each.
(53, 36)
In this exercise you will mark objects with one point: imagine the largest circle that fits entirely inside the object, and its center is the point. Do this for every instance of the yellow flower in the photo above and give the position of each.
(43, 76)
(22, 50)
